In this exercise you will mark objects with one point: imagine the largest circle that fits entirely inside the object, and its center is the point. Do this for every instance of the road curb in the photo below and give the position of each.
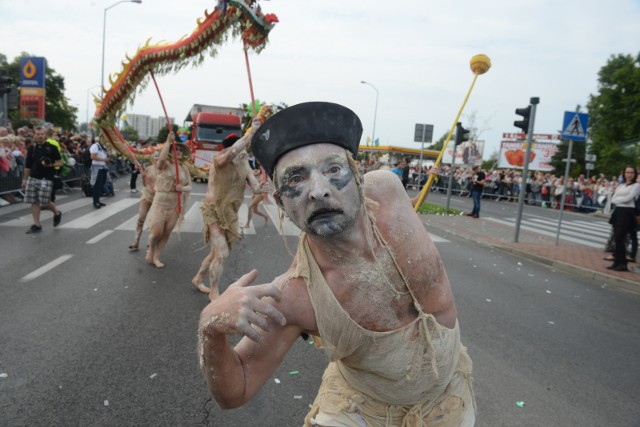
(608, 279)
(616, 281)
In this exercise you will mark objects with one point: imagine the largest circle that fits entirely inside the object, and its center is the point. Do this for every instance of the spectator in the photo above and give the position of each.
(38, 179)
(623, 218)
(99, 170)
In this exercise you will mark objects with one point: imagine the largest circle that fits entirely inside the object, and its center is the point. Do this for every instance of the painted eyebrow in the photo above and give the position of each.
(297, 168)
(292, 170)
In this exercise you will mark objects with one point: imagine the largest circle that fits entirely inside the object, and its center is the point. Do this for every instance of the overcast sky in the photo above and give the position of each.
(416, 53)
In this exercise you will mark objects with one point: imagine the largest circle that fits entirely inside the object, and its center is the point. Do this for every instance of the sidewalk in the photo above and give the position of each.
(573, 258)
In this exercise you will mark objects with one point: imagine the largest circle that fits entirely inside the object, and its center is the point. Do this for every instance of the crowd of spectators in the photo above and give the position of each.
(14, 145)
(543, 189)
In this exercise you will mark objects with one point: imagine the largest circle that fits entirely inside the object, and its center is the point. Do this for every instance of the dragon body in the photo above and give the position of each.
(238, 17)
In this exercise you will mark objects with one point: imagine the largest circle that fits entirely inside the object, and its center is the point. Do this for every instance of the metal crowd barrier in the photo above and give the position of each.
(11, 182)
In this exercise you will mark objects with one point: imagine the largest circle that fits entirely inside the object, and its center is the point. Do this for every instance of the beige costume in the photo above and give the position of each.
(228, 188)
(386, 378)
(166, 197)
(147, 192)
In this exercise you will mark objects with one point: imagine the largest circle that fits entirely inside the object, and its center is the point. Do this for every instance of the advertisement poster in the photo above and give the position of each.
(468, 153)
(512, 155)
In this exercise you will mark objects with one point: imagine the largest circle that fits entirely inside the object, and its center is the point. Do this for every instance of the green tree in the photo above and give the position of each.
(164, 132)
(614, 114)
(439, 143)
(491, 163)
(131, 134)
(58, 111)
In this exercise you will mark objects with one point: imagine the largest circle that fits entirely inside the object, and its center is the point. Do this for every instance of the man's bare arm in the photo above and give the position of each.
(234, 375)
(238, 147)
(162, 162)
(251, 179)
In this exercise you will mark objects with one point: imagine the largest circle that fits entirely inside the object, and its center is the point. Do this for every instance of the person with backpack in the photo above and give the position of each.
(99, 170)
(86, 160)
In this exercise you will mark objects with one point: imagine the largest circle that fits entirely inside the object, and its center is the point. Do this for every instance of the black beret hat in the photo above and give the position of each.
(230, 140)
(305, 124)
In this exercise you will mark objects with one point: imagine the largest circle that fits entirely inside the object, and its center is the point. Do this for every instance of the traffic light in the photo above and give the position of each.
(5, 82)
(524, 123)
(462, 134)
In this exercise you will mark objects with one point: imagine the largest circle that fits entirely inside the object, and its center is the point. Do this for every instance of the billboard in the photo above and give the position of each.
(32, 87)
(32, 72)
(468, 153)
(513, 152)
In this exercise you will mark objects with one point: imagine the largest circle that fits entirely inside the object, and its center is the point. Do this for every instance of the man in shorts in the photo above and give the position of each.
(41, 160)
(366, 279)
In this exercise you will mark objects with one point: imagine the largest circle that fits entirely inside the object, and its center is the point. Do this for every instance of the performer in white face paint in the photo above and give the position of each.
(366, 279)
(164, 214)
(146, 199)
(228, 175)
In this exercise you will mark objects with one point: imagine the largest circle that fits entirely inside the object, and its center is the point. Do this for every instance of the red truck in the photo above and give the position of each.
(208, 129)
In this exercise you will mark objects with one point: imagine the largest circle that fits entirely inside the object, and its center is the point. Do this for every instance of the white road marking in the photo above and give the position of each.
(437, 239)
(99, 237)
(98, 215)
(546, 233)
(46, 268)
(26, 220)
(193, 222)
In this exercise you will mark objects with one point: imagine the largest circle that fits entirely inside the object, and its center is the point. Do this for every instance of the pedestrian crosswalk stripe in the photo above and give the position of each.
(130, 224)
(537, 229)
(567, 227)
(26, 220)
(24, 206)
(599, 225)
(193, 222)
(98, 215)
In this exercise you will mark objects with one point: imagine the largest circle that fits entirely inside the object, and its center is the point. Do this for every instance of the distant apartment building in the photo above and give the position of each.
(146, 126)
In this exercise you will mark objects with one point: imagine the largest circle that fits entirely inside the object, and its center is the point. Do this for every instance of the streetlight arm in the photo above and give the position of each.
(375, 115)
(104, 32)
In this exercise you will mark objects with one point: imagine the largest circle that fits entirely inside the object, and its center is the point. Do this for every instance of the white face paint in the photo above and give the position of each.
(318, 189)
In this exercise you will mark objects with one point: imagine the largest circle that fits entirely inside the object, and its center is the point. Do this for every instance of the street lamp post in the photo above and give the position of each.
(89, 130)
(375, 114)
(104, 31)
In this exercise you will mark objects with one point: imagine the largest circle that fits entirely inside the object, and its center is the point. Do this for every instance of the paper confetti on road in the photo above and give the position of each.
(520, 404)
(153, 375)
(294, 372)
(297, 397)
(4, 375)
(277, 381)
(488, 299)
(106, 403)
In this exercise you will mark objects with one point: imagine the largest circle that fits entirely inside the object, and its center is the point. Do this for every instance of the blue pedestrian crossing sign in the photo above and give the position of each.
(575, 126)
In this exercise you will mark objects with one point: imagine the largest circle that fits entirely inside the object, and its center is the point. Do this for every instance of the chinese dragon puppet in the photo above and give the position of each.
(241, 18)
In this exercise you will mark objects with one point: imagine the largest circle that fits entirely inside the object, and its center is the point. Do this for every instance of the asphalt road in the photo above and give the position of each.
(105, 340)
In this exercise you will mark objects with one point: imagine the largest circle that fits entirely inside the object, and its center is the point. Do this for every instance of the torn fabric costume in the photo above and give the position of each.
(388, 378)
(165, 200)
(147, 192)
(228, 184)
